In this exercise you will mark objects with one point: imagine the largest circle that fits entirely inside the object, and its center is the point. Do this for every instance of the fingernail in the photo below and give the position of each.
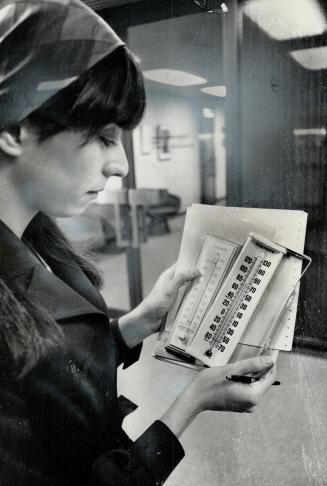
(196, 273)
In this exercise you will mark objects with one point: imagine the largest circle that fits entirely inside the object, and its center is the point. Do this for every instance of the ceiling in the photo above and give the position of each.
(192, 43)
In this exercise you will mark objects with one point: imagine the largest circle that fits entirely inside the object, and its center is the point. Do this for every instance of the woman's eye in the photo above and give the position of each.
(106, 141)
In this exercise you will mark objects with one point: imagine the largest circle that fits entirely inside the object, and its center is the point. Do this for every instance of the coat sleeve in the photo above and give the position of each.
(127, 355)
(147, 462)
(77, 419)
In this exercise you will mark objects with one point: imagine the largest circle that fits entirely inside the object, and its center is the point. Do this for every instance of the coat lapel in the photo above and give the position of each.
(77, 280)
(65, 293)
(60, 299)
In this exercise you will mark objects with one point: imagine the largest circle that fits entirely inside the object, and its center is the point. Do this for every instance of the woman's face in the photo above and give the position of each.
(63, 174)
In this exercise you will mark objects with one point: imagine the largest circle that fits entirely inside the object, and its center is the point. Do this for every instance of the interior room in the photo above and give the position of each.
(236, 116)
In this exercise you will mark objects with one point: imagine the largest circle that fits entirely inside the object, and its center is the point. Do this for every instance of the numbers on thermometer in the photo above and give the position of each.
(208, 336)
(243, 306)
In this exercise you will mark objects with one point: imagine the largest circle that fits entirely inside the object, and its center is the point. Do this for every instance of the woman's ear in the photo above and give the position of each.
(10, 142)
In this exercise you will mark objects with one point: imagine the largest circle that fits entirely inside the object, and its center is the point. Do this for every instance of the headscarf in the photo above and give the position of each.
(44, 46)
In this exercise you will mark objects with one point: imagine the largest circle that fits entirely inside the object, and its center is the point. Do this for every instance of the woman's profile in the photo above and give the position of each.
(68, 87)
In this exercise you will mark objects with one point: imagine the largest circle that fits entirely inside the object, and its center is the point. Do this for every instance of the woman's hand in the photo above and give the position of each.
(211, 390)
(156, 305)
(146, 317)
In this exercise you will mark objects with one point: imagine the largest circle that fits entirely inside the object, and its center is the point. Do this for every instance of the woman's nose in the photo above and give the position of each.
(116, 163)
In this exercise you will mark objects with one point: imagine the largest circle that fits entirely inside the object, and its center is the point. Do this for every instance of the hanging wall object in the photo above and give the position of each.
(162, 139)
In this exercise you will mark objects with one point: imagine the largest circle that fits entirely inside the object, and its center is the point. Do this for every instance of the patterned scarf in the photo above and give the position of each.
(44, 46)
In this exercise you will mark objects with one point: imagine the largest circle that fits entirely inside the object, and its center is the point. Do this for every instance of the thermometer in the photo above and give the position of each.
(236, 301)
(214, 260)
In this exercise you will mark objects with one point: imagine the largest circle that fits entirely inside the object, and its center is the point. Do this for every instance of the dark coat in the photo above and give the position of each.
(61, 423)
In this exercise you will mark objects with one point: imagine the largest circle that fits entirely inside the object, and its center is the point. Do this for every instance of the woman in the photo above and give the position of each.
(68, 87)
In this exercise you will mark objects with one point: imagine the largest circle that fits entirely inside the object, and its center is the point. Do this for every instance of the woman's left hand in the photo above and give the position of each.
(156, 305)
(146, 317)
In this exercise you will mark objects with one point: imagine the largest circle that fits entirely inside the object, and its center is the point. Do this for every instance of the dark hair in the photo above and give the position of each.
(27, 332)
(112, 91)
(48, 240)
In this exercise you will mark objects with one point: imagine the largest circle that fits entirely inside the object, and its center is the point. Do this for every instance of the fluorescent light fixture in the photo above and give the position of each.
(173, 77)
(300, 132)
(215, 90)
(314, 58)
(205, 136)
(208, 113)
(287, 19)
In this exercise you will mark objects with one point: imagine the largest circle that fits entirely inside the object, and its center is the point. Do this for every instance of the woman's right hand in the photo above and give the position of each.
(211, 390)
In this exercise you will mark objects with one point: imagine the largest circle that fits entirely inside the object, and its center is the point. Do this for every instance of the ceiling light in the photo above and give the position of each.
(313, 58)
(287, 19)
(300, 132)
(173, 77)
(215, 90)
(208, 113)
(205, 136)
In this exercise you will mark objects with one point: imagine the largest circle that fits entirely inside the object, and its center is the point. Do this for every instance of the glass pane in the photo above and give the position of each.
(179, 147)
(280, 131)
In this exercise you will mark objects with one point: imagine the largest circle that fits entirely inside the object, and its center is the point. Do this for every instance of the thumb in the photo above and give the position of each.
(170, 272)
(185, 276)
(252, 365)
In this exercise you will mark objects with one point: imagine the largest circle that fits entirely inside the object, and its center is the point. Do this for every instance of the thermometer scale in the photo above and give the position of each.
(214, 260)
(235, 303)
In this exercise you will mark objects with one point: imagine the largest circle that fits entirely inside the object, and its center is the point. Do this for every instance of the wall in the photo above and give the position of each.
(180, 175)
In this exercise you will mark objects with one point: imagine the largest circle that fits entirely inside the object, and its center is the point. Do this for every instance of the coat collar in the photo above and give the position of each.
(65, 293)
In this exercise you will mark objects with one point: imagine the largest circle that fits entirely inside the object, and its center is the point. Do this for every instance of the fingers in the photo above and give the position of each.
(186, 276)
(272, 353)
(265, 381)
(180, 277)
(260, 364)
(170, 272)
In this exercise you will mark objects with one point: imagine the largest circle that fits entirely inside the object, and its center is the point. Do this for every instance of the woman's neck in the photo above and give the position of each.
(13, 212)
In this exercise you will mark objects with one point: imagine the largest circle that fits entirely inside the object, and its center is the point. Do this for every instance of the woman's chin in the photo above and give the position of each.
(76, 208)
(68, 212)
